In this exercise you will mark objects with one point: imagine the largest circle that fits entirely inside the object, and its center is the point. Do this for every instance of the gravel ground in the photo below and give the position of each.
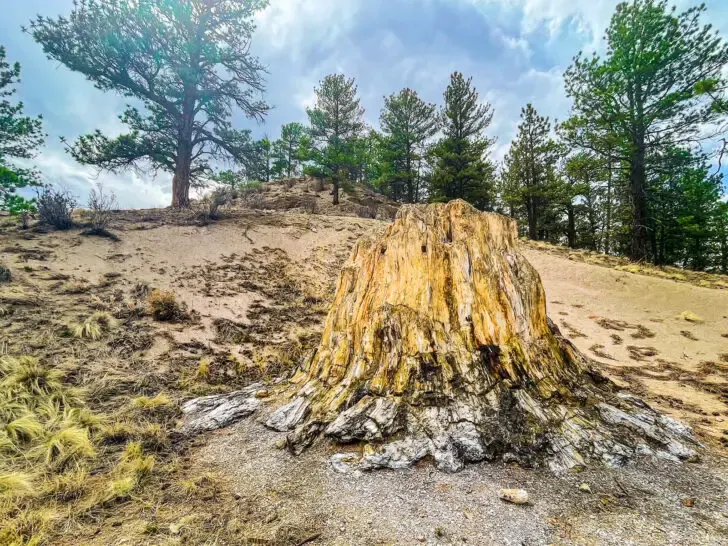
(647, 503)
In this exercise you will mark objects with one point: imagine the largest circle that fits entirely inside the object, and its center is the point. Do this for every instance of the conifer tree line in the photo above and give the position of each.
(630, 171)
(626, 173)
(420, 153)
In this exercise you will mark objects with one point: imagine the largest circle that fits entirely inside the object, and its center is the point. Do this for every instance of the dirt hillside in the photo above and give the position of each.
(256, 286)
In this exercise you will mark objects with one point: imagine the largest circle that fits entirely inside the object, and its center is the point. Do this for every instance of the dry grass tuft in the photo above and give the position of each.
(69, 486)
(145, 402)
(163, 306)
(94, 327)
(15, 484)
(45, 444)
(130, 473)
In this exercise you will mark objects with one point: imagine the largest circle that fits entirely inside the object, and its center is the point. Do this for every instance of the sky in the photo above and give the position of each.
(515, 50)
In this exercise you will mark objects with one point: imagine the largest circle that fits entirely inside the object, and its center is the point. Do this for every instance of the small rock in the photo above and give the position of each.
(280, 444)
(343, 463)
(262, 394)
(585, 488)
(516, 496)
(688, 502)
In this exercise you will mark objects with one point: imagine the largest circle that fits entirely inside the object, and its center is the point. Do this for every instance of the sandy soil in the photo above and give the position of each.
(685, 377)
(254, 267)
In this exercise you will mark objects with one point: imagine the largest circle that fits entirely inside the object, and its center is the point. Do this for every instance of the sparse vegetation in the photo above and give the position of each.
(45, 439)
(94, 327)
(146, 403)
(213, 202)
(5, 274)
(55, 208)
(101, 203)
(163, 306)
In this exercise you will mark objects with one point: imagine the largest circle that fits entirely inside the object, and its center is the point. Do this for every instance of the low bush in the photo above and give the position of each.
(55, 208)
(100, 205)
(5, 275)
(213, 202)
(163, 306)
(252, 186)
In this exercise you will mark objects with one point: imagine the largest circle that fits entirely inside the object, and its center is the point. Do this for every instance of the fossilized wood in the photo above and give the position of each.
(438, 343)
(219, 410)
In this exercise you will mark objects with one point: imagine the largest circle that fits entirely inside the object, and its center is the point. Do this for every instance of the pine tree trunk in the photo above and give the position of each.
(335, 191)
(438, 343)
(532, 221)
(571, 226)
(638, 183)
(608, 228)
(181, 178)
(183, 165)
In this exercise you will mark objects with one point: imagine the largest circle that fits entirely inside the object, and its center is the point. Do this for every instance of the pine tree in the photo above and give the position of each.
(20, 137)
(721, 232)
(407, 124)
(187, 63)
(530, 165)
(366, 150)
(261, 164)
(335, 122)
(462, 170)
(647, 94)
(286, 162)
(584, 175)
(684, 207)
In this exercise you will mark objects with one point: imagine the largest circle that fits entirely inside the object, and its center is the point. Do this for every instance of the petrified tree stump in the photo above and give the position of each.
(438, 344)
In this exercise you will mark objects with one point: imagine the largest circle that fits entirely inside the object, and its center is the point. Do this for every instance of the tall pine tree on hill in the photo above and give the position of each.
(462, 169)
(335, 122)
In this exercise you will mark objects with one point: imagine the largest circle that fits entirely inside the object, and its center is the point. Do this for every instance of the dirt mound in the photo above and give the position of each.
(313, 195)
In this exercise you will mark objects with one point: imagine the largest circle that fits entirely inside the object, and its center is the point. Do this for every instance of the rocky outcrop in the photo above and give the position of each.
(438, 343)
(219, 410)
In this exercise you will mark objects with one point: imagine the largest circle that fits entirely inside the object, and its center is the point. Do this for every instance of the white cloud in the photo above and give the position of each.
(294, 25)
(133, 190)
